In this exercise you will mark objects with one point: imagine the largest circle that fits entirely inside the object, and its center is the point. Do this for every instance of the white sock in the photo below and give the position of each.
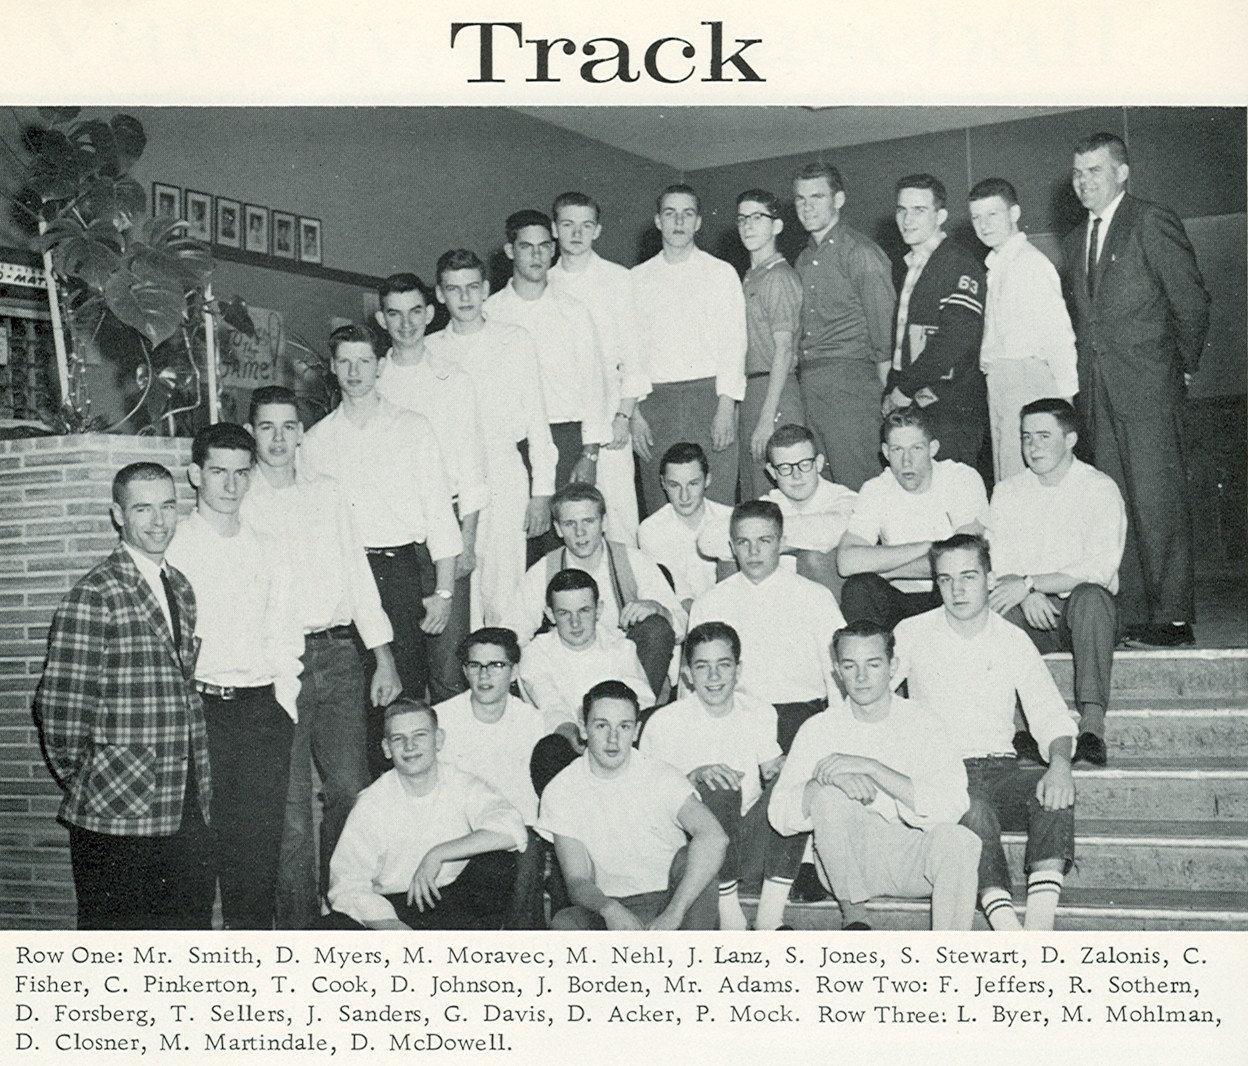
(731, 916)
(999, 909)
(1044, 888)
(771, 903)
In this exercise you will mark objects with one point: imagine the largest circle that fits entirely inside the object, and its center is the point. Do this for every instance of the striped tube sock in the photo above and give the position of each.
(1044, 888)
(731, 916)
(999, 909)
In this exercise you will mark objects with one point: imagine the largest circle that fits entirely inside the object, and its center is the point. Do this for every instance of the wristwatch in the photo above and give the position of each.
(444, 594)
(1029, 583)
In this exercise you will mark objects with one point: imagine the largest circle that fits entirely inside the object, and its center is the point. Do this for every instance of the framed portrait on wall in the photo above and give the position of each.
(229, 223)
(311, 248)
(166, 201)
(199, 215)
(256, 231)
(284, 236)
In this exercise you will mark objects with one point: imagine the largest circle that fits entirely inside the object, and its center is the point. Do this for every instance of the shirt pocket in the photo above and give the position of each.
(121, 781)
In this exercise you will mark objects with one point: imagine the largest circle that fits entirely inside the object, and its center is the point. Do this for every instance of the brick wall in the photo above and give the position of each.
(54, 526)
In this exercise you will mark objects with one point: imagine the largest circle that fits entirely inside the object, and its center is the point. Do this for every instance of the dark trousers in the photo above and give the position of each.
(568, 443)
(1087, 629)
(1003, 797)
(330, 734)
(1140, 445)
(478, 899)
(550, 756)
(249, 740)
(146, 883)
(960, 430)
(871, 598)
(789, 719)
(404, 577)
(526, 911)
(654, 639)
(842, 399)
(755, 850)
(446, 676)
(683, 411)
(703, 913)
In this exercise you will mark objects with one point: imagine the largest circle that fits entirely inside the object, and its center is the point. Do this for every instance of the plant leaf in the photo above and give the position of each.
(130, 196)
(59, 114)
(91, 260)
(154, 308)
(130, 139)
(97, 147)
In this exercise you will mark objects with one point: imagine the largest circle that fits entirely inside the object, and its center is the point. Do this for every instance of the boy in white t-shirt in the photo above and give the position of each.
(724, 741)
(917, 501)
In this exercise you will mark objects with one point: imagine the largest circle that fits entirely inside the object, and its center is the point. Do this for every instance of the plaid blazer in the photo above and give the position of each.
(117, 706)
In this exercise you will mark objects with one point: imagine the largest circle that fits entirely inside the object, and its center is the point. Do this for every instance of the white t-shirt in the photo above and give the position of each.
(887, 514)
(669, 540)
(556, 677)
(816, 524)
(686, 735)
(497, 752)
(628, 824)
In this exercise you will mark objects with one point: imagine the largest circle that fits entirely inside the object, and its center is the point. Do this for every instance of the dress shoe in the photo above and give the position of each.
(807, 888)
(1025, 746)
(1090, 749)
(856, 927)
(1160, 635)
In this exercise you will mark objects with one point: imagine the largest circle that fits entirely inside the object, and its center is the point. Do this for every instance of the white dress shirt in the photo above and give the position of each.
(1077, 527)
(311, 525)
(556, 677)
(1025, 315)
(150, 572)
(785, 623)
(444, 394)
(245, 613)
(390, 470)
(691, 321)
(669, 539)
(568, 354)
(970, 683)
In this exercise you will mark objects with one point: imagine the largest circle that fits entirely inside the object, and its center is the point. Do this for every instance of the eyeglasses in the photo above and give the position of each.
(755, 217)
(495, 667)
(787, 469)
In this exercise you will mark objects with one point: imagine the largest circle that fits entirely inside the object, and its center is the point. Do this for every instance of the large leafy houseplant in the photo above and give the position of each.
(114, 266)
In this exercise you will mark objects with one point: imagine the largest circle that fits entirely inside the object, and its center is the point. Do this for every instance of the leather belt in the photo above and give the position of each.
(332, 633)
(229, 692)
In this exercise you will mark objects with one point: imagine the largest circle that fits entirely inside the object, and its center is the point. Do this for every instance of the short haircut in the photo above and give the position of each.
(609, 690)
(523, 220)
(761, 196)
(268, 395)
(570, 580)
(864, 627)
(1117, 147)
(684, 452)
(575, 199)
(958, 542)
(814, 171)
(788, 435)
(679, 189)
(409, 705)
(137, 472)
(404, 282)
(925, 181)
(1062, 410)
(707, 632)
(764, 509)
(229, 436)
(903, 418)
(458, 259)
(578, 492)
(990, 187)
(351, 333)
(496, 635)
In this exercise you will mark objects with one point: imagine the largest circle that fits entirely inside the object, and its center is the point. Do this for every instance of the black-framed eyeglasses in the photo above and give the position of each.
(753, 217)
(787, 469)
(494, 667)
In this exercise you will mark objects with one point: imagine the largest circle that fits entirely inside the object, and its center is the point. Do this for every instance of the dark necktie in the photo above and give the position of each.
(174, 620)
(1096, 231)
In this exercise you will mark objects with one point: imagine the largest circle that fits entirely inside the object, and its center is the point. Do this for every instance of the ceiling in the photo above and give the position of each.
(691, 138)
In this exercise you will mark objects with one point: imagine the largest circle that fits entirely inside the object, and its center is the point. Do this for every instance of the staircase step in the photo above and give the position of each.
(1180, 729)
(1180, 672)
(1175, 855)
(1162, 792)
(1088, 910)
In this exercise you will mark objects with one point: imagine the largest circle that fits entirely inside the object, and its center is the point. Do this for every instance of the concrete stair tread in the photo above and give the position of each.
(1185, 654)
(1121, 899)
(1089, 830)
(1192, 706)
(1162, 766)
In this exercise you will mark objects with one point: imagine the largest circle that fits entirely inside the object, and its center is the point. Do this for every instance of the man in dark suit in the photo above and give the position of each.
(123, 728)
(1141, 314)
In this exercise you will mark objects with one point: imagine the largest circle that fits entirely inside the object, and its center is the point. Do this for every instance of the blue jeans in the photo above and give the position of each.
(329, 733)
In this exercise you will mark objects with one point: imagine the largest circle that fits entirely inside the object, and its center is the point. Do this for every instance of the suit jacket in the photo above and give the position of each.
(1150, 316)
(117, 705)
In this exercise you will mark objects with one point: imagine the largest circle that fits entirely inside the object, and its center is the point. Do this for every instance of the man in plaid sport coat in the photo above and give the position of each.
(123, 727)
